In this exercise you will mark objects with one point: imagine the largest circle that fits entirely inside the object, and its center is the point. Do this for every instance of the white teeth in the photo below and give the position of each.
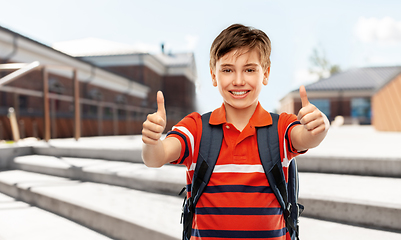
(239, 93)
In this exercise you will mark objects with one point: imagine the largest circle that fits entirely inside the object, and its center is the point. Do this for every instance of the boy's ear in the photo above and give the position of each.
(266, 75)
(213, 78)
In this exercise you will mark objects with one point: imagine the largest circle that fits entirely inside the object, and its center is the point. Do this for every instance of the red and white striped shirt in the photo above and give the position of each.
(238, 202)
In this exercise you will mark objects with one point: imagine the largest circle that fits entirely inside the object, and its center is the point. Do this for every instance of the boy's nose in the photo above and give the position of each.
(239, 80)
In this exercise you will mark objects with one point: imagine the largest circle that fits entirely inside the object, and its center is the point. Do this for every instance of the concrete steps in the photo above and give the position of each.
(314, 229)
(101, 183)
(363, 200)
(119, 148)
(20, 220)
(368, 201)
(365, 166)
(122, 213)
(117, 212)
(165, 180)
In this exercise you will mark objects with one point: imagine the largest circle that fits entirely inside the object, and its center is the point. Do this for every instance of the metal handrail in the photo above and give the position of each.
(14, 124)
(26, 68)
(22, 70)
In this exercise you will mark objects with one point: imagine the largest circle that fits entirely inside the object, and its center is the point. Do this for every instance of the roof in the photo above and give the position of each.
(43, 45)
(176, 59)
(95, 47)
(369, 78)
(84, 63)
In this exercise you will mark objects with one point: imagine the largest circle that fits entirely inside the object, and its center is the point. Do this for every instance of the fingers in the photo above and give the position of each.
(315, 122)
(155, 123)
(161, 110)
(312, 119)
(304, 96)
(153, 128)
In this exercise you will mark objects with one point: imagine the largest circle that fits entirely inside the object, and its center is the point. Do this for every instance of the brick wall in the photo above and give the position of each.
(29, 110)
(143, 75)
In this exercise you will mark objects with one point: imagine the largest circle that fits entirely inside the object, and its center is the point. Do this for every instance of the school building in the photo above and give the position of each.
(113, 87)
(370, 95)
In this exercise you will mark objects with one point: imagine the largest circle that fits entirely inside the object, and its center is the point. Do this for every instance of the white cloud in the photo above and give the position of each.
(385, 30)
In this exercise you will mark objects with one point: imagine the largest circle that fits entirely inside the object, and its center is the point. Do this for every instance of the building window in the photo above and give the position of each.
(93, 110)
(323, 105)
(122, 114)
(95, 94)
(361, 110)
(55, 86)
(108, 112)
(23, 102)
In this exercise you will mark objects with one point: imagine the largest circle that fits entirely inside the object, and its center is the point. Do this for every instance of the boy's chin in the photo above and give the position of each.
(240, 106)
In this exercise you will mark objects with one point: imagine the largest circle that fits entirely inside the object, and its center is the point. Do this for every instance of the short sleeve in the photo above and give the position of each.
(286, 124)
(186, 131)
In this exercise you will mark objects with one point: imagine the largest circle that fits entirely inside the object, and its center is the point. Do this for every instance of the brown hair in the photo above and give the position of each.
(239, 36)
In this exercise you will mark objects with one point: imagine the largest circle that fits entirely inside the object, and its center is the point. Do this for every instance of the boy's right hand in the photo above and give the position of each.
(155, 123)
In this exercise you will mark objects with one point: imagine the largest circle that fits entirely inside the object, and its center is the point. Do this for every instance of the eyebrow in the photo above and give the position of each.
(226, 65)
(251, 65)
(246, 65)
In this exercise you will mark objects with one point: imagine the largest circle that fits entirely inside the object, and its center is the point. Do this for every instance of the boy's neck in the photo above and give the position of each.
(239, 117)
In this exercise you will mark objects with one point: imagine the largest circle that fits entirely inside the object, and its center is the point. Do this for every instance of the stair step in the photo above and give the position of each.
(364, 200)
(361, 200)
(121, 213)
(359, 150)
(365, 166)
(314, 229)
(168, 179)
(117, 212)
(20, 221)
(119, 148)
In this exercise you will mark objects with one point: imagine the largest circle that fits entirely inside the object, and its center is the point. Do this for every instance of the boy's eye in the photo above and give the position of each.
(226, 70)
(250, 70)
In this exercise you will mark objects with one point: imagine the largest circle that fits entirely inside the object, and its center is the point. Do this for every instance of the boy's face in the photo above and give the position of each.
(239, 77)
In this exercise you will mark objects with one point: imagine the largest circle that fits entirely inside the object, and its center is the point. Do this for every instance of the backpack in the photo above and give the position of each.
(269, 152)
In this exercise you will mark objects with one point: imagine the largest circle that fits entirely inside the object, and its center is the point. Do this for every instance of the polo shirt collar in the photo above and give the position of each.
(260, 117)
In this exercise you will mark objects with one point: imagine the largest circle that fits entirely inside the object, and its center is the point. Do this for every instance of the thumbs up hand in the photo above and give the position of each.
(312, 119)
(155, 123)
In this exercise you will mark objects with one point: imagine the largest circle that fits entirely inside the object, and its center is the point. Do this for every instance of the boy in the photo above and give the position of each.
(237, 202)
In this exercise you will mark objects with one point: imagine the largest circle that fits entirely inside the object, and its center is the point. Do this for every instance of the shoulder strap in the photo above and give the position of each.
(209, 150)
(269, 152)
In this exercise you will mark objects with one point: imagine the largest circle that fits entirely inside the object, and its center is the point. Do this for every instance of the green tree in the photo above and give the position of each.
(321, 66)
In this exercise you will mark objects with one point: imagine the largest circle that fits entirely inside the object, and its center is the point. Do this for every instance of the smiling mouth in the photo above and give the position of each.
(238, 93)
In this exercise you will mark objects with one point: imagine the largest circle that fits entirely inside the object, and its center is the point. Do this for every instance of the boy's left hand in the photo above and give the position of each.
(311, 118)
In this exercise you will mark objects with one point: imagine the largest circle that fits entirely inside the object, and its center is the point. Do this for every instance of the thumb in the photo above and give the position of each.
(161, 110)
(303, 95)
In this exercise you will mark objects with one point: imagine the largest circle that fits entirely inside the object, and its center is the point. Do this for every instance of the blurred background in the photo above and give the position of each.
(77, 79)
(145, 46)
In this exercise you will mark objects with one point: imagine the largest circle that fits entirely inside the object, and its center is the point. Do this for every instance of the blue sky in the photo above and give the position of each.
(351, 33)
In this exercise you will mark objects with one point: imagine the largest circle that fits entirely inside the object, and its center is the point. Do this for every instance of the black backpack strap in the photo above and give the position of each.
(293, 191)
(269, 152)
(209, 150)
